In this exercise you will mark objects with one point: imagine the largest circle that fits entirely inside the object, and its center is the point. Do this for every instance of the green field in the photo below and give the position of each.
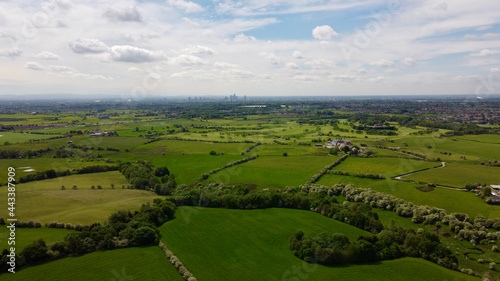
(273, 171)
(253, 245)
(458, 175)
(448, 199)
(25, 236)
(45, 201)
(388, 167)
(147, 263)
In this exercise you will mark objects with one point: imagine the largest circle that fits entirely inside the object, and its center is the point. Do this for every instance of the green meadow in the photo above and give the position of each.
(26, 236)
(44, 201)
(388, 167)
(273, 171)
(457, 175)
(253, 245)
(138, 263)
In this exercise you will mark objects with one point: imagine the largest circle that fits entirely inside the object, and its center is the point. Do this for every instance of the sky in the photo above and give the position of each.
(135, 49)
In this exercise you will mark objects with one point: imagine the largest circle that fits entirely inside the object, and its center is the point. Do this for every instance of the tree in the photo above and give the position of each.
(145, 235)
(75, 187)
(161, 171)
(213, 152)
(34, 252)
(99, 186)
(112, 186)
(285, 154)
(63, 187)
(92, 187)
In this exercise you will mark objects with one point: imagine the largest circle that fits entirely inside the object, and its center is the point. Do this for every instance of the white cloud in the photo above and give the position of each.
(383, 63)
(88, 46)
(271, 57)
(292, 66)
(10, 53)
(133, 54)
(225, 65)
(362, 71)
(470, 36)
(491, 36)
(123, 14)
(495, 70)
(298, 55)
(323, 32)
(320, 63)
(187, 6)
(33, 66)
(61, 68)
(188, 60)
(484, 53)
(45, 55)
(409, 62)
(198, 50)
(242, 38)
(376, 79)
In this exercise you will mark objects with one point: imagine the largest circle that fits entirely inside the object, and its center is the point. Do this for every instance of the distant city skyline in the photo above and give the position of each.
(138, 49)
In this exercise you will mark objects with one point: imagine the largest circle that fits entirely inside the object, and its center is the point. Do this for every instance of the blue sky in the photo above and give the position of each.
(134, 49)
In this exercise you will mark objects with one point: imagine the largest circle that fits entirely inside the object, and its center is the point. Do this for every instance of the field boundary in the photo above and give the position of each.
(318, 176)
(181, 268)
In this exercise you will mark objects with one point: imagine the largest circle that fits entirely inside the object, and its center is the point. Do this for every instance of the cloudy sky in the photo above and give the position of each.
(249, 47)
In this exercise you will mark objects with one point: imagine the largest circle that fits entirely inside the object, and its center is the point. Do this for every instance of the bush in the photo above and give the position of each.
(145, 235)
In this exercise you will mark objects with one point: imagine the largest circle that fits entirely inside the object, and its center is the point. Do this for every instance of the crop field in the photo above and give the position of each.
(139, 263)
(19, 137)
(273, 171)
(253, 245)
(458, 175)
(25, 236)
(388, 167)
(81, 206)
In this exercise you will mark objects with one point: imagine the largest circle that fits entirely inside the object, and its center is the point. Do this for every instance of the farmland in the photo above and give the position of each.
(277, 161)
(252, 245)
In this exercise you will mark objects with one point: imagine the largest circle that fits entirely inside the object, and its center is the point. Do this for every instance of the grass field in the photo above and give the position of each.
(45, 201)
(147, 263)
(25, 236)
(388, 167)
(273, 171)
(450, 200)
(457, 175)
(253, 245)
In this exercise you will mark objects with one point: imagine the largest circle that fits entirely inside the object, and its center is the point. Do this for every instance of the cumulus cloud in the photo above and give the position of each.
(298, 55)
(198, 50)
(292, 66)
(187, 6)
(127, 53)
(88, 46)
(409, 62)
(271, 57)
(376, 79)
(188, 60)
(383, 63)
(123, 14)
(323, 32)
(362, 71)
(484, 53)
(242, 38)
(10, 52)
(225, 65)
(495, 70)
(320, 63)
(45, 55)
(61, 68)
(33, 66)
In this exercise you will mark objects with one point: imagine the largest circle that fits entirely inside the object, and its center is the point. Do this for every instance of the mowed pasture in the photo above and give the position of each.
(448, 199)
(457, 175)
(26, 236)
(253, 245)
(19, 137)
(138, 263)
(388, 167)
(273, 171)
(45, 201)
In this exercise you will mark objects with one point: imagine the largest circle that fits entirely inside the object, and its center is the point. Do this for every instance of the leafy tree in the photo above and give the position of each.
(34, 252)
(145, 235)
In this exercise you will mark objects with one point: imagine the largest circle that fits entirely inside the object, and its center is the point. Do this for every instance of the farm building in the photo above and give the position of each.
(339, 143)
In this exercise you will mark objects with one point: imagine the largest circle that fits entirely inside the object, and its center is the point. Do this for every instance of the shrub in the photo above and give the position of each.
(145, 235)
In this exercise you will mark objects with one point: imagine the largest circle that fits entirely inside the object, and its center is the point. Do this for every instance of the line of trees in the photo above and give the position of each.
(327, 168)
(359, 175)
(397, 242)
(20, 154)
(237, 162)
(181, 268)
(142, 176)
